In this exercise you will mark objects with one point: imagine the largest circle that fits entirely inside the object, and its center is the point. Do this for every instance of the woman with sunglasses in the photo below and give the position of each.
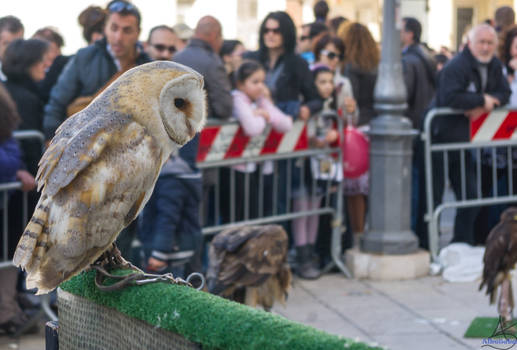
(287, 74)
(329, 51)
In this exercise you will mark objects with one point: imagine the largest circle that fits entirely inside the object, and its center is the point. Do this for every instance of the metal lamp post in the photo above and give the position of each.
(391, 137)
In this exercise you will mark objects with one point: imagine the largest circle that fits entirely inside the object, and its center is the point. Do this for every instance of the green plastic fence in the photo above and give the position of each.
(203, 318)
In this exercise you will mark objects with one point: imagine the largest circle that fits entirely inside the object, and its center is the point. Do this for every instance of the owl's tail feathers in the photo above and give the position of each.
(34, 241)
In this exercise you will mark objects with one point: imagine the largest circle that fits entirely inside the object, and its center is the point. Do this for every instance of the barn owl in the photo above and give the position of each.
(101, 166)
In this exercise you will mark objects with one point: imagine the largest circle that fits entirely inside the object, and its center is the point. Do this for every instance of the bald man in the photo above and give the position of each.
(202, 54)
(472, 81)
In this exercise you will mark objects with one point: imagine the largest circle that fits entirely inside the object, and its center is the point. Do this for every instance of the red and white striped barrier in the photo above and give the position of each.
(229, 141)
(496, 125)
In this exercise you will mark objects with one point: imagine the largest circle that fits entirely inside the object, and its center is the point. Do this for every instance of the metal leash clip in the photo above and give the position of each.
(140, 278)
(168, 277)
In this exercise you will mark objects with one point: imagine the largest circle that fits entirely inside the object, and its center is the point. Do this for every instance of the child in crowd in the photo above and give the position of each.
(325, 170)
(323, 133)
(255, 111)
(252, 106)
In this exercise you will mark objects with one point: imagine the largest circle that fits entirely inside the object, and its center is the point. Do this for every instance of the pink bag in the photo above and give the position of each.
(355, 147)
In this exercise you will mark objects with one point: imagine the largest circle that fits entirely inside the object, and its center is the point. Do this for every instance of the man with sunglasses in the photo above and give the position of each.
(161, 43)
(304, 47)
(308, 39)
(94, 67)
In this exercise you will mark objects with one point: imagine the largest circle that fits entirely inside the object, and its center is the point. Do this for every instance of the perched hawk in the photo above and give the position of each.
(249, 264)
(499, 259)
(101, 166)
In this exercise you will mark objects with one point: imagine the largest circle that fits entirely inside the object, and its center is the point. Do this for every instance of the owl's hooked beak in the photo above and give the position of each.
(190, 114)
(190, 129)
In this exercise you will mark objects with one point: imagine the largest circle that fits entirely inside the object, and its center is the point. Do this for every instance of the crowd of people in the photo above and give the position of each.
(329, 69)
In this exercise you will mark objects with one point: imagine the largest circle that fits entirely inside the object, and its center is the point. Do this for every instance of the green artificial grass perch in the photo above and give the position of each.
(203, 318)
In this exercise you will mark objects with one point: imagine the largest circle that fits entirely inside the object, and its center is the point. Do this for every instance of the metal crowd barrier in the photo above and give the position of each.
(475, 150)
(5, 189)
(281, 193)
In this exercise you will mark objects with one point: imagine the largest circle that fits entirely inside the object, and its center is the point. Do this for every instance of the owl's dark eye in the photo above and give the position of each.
(179, 103)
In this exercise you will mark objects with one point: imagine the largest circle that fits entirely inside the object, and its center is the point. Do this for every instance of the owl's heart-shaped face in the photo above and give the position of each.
(182, 107)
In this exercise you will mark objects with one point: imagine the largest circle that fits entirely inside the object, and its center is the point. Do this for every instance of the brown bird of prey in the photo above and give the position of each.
(499, 259)
(101, 166)
(248, 264)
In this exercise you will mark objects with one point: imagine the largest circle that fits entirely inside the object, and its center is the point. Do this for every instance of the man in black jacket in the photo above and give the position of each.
(419, 71)
(94, 66)
(472, 81)
(91, 69)
(420, 79)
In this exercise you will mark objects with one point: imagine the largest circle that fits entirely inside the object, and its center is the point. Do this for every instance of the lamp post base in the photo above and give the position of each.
(390, 243)
(379, 267)
(391, 140)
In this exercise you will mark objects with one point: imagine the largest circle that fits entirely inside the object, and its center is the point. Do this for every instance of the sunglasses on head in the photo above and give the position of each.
(331, 55)
(161, 47)
(122, 6)
(272, 30)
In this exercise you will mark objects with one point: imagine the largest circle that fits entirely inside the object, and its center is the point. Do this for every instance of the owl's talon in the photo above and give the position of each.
(114, 260)
(139, 279)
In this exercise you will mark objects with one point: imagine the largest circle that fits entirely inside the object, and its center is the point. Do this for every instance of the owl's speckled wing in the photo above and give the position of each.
(78, 141)
(92, 189)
